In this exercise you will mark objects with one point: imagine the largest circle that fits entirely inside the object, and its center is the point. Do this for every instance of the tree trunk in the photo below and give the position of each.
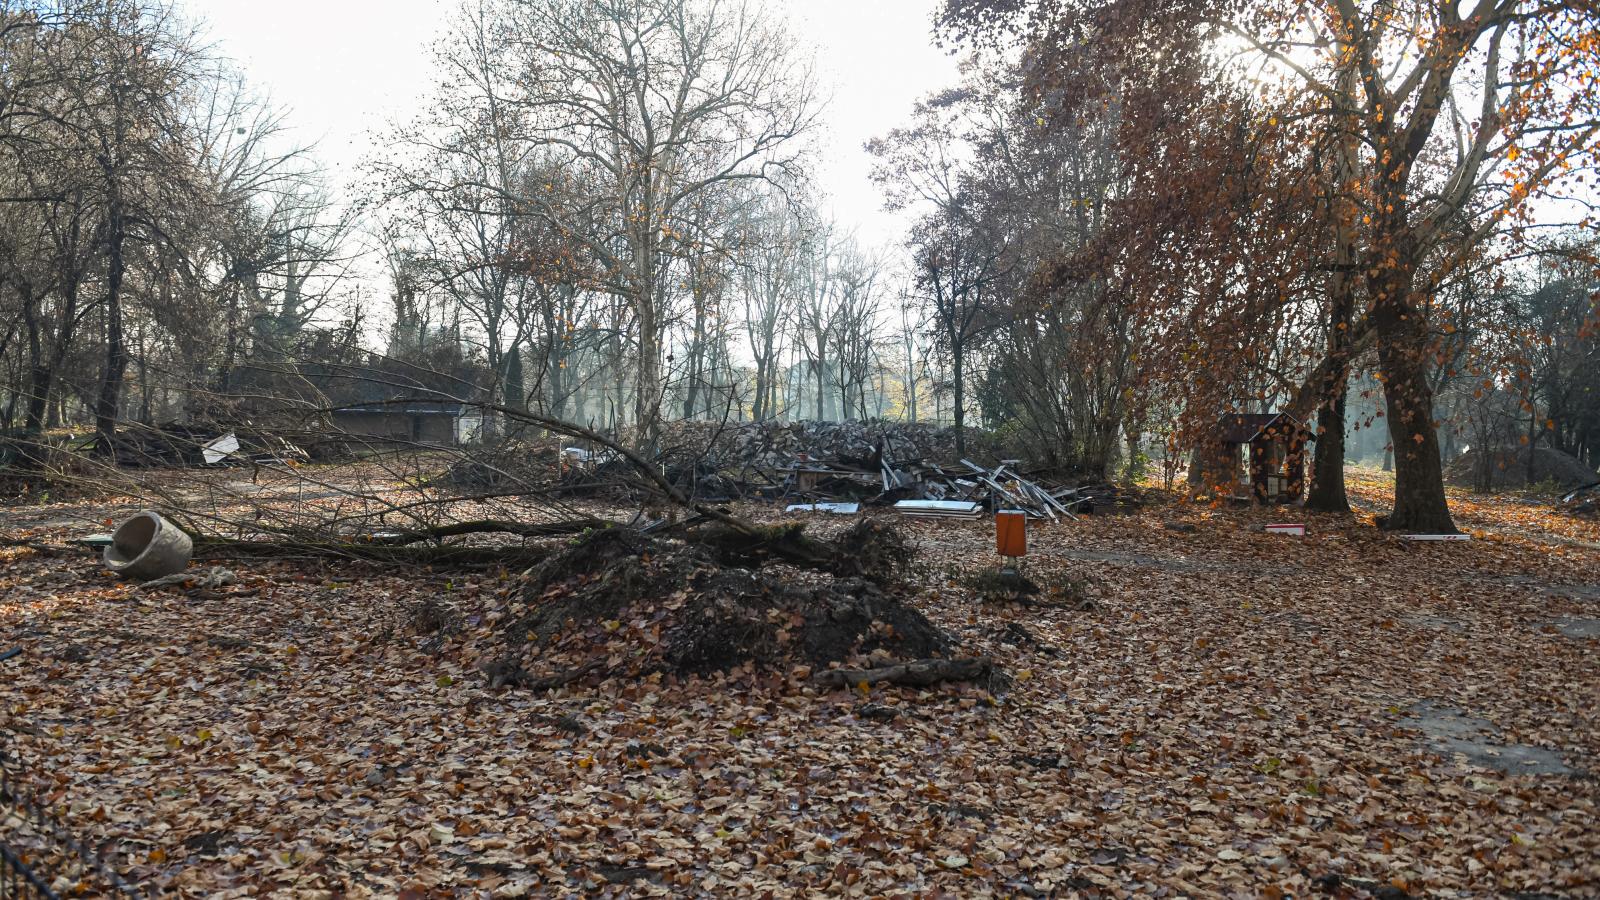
(822, 386)
(1327, 492)
(1327, 474)
(911, 386)
(105, 414)
(514, 386)
(697, 362)
(619, 382)
(1533, 438)
(40, 375)
(1419, 499)
(757, 395)
(957, 362)
(146, 414)
(647, 405)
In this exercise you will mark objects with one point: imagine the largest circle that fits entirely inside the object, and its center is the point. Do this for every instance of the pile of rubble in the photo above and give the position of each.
(511, 465)
(1584, 501)
(176, 445)
(836, 467)
(1512, 468)
(830, 467)
(924, 489)
(772, 445)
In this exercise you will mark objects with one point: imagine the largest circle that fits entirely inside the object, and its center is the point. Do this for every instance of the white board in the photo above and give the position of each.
(957, 509)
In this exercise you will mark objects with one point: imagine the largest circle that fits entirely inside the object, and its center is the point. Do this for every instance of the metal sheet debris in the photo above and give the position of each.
(215, 451)
(842, 509)
(940, 509)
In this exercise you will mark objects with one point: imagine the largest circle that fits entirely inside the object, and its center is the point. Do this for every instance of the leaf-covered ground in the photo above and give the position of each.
(1230, 718)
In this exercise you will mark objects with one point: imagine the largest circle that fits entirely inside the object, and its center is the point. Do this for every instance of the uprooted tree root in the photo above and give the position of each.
(918, 673)
(644, 605)
(868, 549)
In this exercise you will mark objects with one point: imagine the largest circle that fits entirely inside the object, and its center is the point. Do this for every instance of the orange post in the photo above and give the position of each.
(1011, 532)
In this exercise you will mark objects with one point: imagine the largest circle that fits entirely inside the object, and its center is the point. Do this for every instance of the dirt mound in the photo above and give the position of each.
(625, 604)
(1508, 468)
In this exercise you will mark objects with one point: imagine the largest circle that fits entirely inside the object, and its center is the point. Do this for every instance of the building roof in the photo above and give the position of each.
(1242, 428)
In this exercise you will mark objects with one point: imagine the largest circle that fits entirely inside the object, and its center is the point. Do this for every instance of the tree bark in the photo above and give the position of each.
(105, 414)
(758, 403)
(40, 375)
(1419, 498)
(822, 383)
(697, 353)
(1327, 492)
(958, 362)
(1327, 475)
(647, 405)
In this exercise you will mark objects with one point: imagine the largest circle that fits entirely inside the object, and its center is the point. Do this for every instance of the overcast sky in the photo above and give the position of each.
(345, 68)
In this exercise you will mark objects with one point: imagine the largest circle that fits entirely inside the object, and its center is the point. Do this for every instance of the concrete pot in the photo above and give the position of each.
(148, 546)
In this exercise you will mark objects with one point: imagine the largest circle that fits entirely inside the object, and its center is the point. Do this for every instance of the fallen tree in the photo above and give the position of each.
(866, 549)
(687, 588)
(916, 673)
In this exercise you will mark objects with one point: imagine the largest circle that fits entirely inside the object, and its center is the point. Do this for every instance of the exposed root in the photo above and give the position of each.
(917, 673)
(649, 605)
(873, 550)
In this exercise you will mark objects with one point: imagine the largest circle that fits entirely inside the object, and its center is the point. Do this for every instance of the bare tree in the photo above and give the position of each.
(649, 105)
(817, 312)
(130, 64)
(857, 326)
(770, 285)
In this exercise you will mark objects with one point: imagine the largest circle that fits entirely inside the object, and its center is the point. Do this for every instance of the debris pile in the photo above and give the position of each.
(826, 466)
(773, 445)
(823, 467)
(32, 465)
(619, 603)
(922, 489)
(508, 465)
(868, 549)
(183, 446)
(1518, 467)
(1584, 501)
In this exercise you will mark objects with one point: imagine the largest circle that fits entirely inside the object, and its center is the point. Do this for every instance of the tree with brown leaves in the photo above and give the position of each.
(1435, 108)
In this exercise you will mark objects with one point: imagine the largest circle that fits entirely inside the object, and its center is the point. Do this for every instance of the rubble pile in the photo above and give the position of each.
(1584, 501)
(508, 465)
(1511, 468)
(836, 467)
(824, 467)
(772, 445)
(182, 446)
(922, 488)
